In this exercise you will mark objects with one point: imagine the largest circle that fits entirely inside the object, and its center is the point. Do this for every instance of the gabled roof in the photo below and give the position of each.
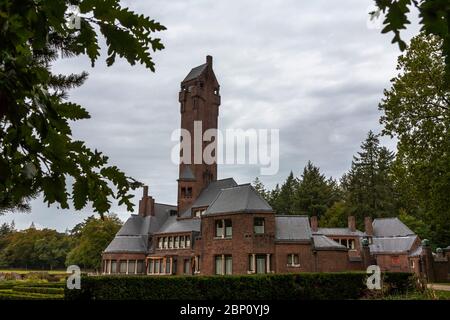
(322, 242)
(186, 173)
(195, 72)
(390, 227)
(339, 232)
(392, 244)
(292, 228)
(209, 194)
(239, 199)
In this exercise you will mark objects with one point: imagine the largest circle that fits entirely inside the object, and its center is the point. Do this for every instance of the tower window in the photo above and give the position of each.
(188, 192)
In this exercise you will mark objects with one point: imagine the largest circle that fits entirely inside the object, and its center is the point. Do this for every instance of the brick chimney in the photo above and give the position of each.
(314, 223)
(351, 223)
(368, 227)
(146, 204)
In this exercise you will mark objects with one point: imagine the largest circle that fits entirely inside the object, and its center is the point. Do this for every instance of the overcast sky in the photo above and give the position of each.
(312, 69)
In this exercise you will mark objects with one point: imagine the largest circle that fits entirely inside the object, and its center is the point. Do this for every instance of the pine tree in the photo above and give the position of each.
(315, 193)
(284, 200)
(260, 188)
(369, 186)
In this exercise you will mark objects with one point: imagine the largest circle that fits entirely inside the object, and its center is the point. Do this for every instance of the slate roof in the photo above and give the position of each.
(390, 227)
(209, 194)
(292, 228)
(186, 173)
(392, 244)
(339, 232)
(195, 72)
(322, 242)
(135, 244)
(242, 198)
(133, 235)
(173, 225)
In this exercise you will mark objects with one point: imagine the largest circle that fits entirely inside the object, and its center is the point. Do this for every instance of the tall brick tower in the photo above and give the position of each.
(199, 102)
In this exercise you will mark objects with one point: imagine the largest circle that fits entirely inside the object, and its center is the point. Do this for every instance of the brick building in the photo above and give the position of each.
(220, 227)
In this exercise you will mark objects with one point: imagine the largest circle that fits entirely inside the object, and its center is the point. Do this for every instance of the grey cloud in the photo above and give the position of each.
(311, 69)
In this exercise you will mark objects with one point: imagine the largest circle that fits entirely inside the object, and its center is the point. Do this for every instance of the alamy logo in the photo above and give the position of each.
(234, 146)
(374, 280)
(74, 280)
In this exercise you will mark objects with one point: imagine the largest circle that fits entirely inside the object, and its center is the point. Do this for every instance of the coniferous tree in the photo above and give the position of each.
(369, 184)
(315, 193)
(260, 188)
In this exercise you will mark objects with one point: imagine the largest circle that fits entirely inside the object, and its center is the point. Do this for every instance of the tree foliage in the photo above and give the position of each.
(310, 194)
(416, 110)
(434, 17)
(37, 151)
(33, 248)
(369, 185)
(90, 239)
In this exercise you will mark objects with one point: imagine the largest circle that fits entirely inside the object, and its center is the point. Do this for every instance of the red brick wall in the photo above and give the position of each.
(242, 243)
(386, 262)
(305, 257)
(331, 261)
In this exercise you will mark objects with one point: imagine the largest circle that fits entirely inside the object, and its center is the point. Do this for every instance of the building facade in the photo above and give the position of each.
(219, 227)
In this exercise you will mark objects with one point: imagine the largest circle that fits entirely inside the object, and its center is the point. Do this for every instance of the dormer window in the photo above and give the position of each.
(216, 91)
(198, 212)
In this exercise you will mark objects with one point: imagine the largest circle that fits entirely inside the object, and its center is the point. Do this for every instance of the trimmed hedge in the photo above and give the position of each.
(305, 286)
(44, 290)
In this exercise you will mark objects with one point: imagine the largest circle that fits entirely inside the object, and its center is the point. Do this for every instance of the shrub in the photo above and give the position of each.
(44, 290)
(306, 286)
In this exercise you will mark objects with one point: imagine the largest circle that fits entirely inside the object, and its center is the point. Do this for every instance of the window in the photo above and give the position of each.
(260, 263)
(165, 242)
(351, 244)
(219, 228)
(188, 241)
(189, 192)
(395, 260)
(251, 264)
(161, 266)
(258, 225)
(228, 228)
(224, 228)
(157, 266)
(224, 264)
(140, 267)
(177, 242)
(160, 243)
(170, 242)
(344, 242)
(199, 212)
(132, 267)
(151, 266)
(228, 265)
(113, 266)
(187, 266)
(168, 265)
(293, 260)
(182, 242)
(123, 266)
